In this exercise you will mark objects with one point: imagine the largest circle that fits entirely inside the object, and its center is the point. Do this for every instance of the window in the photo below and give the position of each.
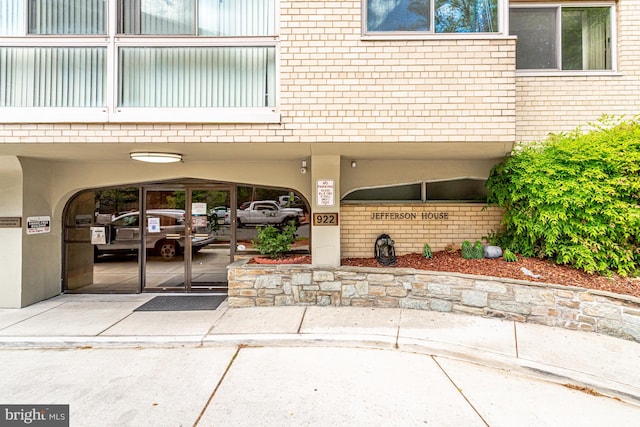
(432, 16)
(52, 76)
(178, 60)
(201, 18)
(196, 77)
(396, 193)
(469, 190)
(455, 190)
(57, 76)
(562, 37)
(66, 17)
(58, 17)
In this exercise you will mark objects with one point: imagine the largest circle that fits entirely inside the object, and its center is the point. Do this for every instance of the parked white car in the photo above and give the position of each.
(219, 211)
(123, 234)
(290, 201)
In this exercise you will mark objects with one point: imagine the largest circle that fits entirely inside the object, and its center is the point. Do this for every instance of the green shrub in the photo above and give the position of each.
(509, 256)
(467, 250)
(574, 198)
(478, 250)
(426, 251)
(475, 251)
(274, 242)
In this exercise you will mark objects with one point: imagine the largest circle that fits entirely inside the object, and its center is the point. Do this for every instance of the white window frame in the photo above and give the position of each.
(559, 71)
(111, 113)
(503, 31)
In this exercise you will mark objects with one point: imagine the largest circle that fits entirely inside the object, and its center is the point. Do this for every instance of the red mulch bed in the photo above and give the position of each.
(293, 259)
(453, 262)
(548, 271)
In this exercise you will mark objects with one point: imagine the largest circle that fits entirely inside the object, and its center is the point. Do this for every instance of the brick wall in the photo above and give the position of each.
(337, 87)
(413, 225)
(560, 103)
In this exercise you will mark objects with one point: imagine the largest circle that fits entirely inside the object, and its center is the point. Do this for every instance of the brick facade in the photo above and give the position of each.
(413, 225)
(336, 86)
(564, 101)
(432, 105)
(427, 91)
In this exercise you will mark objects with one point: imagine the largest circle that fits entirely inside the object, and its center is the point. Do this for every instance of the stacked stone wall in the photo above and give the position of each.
(553, 305)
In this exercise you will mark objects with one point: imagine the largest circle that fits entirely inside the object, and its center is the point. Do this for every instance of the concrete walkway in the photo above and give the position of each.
(309, 366)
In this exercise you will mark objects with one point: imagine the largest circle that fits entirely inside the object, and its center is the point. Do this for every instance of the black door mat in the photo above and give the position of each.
(182, 303)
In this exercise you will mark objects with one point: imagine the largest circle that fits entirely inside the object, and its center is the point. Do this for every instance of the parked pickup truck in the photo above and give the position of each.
(268, 212)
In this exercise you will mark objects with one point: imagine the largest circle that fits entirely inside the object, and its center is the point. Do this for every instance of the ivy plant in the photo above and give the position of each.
(574, 197)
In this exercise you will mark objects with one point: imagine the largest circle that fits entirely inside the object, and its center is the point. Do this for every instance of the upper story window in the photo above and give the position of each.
(51, 17)
(562, 37)
(197, 18)
(432, 16)
(173, 60)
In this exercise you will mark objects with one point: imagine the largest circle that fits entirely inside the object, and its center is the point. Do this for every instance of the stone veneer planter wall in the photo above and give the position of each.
(553, 305)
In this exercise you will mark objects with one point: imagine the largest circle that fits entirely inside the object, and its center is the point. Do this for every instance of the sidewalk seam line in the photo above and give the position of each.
(515, 337)
(113, 324)
(215, 390)
(32, 316)
(460, 391)
(304, 313)
(397, 343)
(215, 322)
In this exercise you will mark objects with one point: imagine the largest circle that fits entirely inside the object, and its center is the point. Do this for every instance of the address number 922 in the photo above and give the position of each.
(325, 219)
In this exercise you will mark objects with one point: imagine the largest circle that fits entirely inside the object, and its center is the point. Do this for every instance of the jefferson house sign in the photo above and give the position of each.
(403, 216)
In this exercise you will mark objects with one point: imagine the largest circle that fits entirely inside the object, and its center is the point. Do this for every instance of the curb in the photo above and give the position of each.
(572, 378)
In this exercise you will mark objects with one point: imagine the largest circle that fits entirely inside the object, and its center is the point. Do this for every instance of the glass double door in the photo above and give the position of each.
(186, 239)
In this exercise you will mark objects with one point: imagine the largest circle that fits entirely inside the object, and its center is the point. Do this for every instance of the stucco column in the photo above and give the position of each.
(11, 236)
(29, 263)
(325, 176)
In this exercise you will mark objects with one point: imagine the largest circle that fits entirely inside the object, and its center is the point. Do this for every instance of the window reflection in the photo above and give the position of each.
(449, 16)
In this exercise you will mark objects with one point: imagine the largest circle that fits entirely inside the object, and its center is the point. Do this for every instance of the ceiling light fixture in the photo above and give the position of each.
(354, 164)
(156, 157)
